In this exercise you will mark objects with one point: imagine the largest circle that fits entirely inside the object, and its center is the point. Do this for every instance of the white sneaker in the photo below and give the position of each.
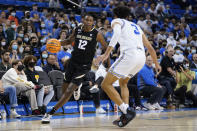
(94, 89)
(157, 106)
(149, 106)
(77, 93)
(14, 114)
(100, 110)
(46, 118)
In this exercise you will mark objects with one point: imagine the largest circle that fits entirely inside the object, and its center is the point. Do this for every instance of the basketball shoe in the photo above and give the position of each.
(125, 118)
(46, 118)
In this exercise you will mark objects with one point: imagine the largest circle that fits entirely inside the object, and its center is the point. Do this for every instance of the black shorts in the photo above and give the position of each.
(75, 72)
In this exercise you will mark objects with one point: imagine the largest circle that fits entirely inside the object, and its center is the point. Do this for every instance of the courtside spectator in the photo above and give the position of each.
(15, 76)
(149, 86)
(168, 74)
(11, 91)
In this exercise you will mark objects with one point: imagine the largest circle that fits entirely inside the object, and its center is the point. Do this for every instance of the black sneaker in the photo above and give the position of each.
(125, 118)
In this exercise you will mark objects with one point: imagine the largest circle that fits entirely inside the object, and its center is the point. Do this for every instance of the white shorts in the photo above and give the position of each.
(128, 64)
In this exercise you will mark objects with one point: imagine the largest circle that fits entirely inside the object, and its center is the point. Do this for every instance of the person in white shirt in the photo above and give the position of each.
(178, 56)
(15, 76)
(132, 58)
(171, 40)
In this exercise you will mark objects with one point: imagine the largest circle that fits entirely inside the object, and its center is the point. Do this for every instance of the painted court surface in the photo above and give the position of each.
(167, 120)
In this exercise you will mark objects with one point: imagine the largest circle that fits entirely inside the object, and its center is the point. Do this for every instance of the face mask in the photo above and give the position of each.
(20, 67)
(34, 43)
(44, 56)
(73, 25)
(171, 37)
(26, 39)
(27, 52)
(43, 41)
(20, 42)
(29, 31)
(178, 52)
(21, 49)
(61, 22)
(13, 26)
(20, 35)
(14, 47)
(193, 51)
(3, 43)
(32, 64)
(188, 48)
(13, 14)
(42, 25)
(186, 66)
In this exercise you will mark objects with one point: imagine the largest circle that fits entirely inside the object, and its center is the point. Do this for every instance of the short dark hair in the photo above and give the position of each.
(4, 51)
(121, 11)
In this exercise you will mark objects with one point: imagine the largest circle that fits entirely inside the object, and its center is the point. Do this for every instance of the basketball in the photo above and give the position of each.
(53, 46)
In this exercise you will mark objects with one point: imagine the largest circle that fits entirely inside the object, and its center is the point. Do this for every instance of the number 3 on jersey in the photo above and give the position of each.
(82, 44)
(136, 31)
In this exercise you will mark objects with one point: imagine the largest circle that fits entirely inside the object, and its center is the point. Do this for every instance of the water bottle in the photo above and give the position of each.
(81, 109)
(3, 114)
(107, 107)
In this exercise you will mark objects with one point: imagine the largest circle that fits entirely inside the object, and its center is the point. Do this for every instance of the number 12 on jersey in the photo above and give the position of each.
(82, 44)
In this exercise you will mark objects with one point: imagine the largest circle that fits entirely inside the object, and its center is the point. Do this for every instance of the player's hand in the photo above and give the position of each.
(100, 58)
(158, 69)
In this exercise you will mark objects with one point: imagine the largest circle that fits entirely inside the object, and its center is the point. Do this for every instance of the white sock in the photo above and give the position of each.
(123, 107)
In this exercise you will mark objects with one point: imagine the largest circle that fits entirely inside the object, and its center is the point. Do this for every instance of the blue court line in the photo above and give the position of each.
(36, 118)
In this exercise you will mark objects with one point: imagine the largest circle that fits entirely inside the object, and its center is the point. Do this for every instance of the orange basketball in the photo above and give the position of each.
(53, 45)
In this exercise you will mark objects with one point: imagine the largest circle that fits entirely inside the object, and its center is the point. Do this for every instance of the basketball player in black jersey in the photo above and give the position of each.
(85, 38)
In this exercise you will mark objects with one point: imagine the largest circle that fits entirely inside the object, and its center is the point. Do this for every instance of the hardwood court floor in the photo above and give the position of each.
(181, 120)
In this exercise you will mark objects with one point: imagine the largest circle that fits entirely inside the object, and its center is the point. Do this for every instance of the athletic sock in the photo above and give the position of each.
(123, 107)
(52, 111)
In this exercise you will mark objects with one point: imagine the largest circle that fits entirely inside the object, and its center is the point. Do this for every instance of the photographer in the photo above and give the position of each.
(184, 77)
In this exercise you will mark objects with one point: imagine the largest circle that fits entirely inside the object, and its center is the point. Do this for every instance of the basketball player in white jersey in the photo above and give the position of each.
(132, 58)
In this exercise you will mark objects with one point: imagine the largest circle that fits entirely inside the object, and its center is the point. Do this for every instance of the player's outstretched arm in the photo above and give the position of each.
(117, 32)
(101, 39)
(70, 39)
(151, 52)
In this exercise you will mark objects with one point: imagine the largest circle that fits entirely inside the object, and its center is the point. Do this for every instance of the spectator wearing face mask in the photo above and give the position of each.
(192, 51)
(42, 61)
(35, 46)
(12, 17)
(14, 50)
(49, 23)
(10, 32)
(184, 79)
(3, 45)
(33, 76)
(43, 31)
(178, 56)
(15, 76)
(5, 60)
(171, 40)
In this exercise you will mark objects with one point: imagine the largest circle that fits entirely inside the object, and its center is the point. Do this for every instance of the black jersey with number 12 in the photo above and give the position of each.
(84, 46)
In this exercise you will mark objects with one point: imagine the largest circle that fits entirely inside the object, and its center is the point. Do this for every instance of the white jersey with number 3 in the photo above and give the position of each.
(132, 55)
(131, 35)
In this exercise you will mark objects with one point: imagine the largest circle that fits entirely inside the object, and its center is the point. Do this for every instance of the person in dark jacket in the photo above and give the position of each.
(52, 64)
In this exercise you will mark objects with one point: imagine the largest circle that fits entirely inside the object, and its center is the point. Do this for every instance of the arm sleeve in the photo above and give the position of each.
(116, 31)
